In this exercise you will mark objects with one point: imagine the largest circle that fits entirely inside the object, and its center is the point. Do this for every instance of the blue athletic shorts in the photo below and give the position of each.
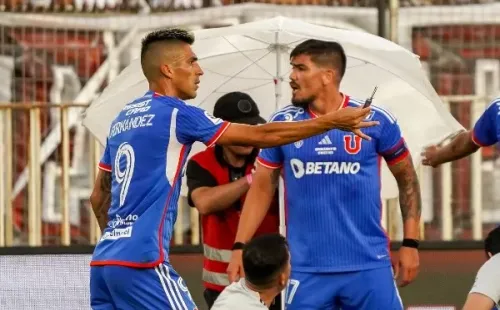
(123, 288)
(373, 289)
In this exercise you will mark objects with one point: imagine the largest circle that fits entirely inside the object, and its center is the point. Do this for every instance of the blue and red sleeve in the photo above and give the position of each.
(105, 163)
(271, 157)
(195, 124)
(391, 144)
(485, 129)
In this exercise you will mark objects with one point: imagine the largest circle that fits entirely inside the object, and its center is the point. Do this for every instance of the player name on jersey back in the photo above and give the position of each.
(146, 152)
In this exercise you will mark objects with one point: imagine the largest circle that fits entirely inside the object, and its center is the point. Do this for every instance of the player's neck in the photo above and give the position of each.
(266, 295)
(233, 159)
(163, 88)
(327, 104)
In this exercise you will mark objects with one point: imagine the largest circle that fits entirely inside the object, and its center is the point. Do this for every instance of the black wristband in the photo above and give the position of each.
(410, 243)
(238, 246)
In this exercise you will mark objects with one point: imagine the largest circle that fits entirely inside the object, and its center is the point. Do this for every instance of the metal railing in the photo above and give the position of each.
(34, 207)
(25, 222)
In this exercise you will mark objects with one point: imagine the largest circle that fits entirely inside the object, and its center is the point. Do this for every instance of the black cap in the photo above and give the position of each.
(238, 107)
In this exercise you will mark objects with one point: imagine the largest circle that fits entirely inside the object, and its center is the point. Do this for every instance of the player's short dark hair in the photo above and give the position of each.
(166, 35)
(492, 241)
(264, 259)
(323, 53)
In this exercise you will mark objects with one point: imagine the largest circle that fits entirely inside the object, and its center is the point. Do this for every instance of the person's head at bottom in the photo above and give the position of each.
(169, 64)
(238, 107)
(266, 262)
(492, 243)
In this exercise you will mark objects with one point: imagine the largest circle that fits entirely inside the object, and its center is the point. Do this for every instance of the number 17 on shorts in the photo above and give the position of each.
(291, 289)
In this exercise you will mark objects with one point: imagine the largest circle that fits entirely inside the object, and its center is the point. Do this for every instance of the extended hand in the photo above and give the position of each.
(430, 156)
(352, 119)
(408, 266)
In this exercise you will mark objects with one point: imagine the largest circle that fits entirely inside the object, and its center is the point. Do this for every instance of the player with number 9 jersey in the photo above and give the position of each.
(146, 151)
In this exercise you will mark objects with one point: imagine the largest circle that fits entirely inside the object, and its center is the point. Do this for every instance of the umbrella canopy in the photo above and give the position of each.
(254, 58)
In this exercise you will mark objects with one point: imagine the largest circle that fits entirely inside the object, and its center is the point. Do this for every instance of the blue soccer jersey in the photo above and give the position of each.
(487, 129)
(332, 192)
(146, 152)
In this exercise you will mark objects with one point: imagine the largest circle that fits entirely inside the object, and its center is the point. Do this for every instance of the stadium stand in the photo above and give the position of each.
(94, 6)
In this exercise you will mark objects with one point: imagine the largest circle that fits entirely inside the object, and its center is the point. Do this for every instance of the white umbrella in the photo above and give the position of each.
(254, 58)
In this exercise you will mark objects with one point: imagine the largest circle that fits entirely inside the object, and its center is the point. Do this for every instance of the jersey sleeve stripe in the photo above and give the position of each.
(396, 153)
(104, 167)
(268, 164)
(218, 134)
(393, 149)
(476, 140)
(399, 158)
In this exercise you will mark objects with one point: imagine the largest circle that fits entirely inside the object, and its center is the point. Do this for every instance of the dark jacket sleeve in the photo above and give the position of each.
(197, 177)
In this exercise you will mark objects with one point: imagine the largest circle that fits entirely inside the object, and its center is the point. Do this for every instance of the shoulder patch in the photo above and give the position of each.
(212, 118)
(287, 114)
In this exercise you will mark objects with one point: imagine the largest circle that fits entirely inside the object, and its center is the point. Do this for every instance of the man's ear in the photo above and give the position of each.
(167, 71)
(328, 76)
(283, 279)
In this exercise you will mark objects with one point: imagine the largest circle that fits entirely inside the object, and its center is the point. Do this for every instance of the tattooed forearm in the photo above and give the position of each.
(101, 198)
(409, 194)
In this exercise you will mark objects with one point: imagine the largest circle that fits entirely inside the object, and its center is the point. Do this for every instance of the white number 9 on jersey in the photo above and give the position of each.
(124, 176)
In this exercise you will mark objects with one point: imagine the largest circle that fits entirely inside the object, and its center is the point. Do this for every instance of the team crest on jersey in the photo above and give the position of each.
(298, 144)
(352, 144)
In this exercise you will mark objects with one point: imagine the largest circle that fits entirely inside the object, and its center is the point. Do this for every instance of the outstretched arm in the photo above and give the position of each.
(281, 133)
(460, 146)
(100, 199)
(484, 133)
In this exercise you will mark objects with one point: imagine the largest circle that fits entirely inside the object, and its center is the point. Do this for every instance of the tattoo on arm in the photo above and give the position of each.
(103, 201)
(409, 189)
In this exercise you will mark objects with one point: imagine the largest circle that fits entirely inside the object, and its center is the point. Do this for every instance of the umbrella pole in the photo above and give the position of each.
(277, 93)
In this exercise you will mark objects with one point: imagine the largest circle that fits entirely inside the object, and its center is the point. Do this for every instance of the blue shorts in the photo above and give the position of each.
(117, 287)
(373, 289)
